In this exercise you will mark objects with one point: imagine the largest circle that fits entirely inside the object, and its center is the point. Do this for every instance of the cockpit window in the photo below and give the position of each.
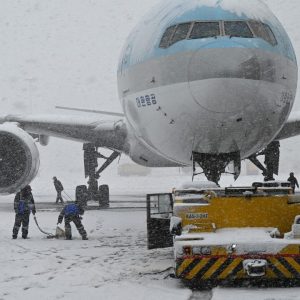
(165, 41)
(209, 29)
(263, 31)
(180, 33)
(237, 29)
(204, 30)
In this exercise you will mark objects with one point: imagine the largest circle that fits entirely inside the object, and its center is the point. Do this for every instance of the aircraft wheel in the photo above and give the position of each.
(103, 196)
(81, 193)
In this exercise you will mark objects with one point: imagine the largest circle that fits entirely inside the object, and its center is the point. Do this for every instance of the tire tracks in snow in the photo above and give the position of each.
(198, 295)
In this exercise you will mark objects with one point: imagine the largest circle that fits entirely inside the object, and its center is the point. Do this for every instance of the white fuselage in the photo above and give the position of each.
(216, 95)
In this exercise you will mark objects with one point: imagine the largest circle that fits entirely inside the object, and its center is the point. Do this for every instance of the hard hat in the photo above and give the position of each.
(27, 188)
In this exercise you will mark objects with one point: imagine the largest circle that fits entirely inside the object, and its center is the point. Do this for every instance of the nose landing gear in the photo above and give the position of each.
(214, 165)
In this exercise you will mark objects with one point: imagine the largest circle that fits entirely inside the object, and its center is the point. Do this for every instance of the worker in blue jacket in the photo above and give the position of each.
(23, 206)
(72, 213)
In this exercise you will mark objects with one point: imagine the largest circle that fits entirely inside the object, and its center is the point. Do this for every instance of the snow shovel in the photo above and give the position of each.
(49, 235)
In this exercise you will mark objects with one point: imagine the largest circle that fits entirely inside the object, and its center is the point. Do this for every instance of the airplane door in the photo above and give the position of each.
(159, 212)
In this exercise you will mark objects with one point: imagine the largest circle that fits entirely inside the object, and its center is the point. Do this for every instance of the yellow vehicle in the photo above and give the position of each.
(229, 235)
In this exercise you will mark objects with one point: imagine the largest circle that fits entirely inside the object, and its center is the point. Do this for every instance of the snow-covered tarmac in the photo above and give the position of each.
(113, 264)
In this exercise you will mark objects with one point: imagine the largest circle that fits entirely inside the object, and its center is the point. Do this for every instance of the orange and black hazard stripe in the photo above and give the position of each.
(209, 268)
(284, 267)
(225, 267)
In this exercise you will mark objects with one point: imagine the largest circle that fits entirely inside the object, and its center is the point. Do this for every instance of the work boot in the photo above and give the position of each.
(24, 237)
(85, 238)
(14, 237)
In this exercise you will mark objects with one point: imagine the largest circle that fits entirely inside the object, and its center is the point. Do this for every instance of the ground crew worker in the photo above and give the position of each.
(59, 188)
(72, 213)
(23, 205)
(294, 182)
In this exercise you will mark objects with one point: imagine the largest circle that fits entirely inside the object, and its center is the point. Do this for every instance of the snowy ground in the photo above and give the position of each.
(113, 264)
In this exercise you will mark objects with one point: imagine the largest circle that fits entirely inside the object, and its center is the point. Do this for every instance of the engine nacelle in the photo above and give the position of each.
(19, 158)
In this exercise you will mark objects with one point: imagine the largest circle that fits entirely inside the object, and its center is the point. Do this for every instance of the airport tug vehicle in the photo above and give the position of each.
(231, 235)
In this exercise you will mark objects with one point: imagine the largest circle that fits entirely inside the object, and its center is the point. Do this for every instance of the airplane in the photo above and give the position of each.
(202, 83)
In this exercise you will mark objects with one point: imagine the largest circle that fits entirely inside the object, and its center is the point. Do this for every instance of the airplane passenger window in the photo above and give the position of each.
(164, 43)
(205, 30)
(237, 29)
(180, 33)
(264, 32)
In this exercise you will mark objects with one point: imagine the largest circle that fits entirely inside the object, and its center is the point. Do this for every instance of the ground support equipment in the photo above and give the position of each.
(229, 236)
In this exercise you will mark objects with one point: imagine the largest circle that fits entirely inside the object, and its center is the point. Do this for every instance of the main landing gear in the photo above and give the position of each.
(213, 165)
(92, 191)
(272, 155)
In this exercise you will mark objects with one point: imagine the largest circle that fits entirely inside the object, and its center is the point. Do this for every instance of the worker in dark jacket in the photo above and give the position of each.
(59, 188)
(294, 182)
(72, 213)
(23, 205)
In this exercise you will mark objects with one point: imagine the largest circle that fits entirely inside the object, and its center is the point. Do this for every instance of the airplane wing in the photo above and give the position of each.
(291, 128)
(110, 134)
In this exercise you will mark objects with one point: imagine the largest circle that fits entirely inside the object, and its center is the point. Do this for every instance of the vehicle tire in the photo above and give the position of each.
(81, 193)
(103, 196)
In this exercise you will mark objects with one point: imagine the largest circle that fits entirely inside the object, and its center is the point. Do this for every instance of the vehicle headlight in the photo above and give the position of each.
(197, 250)
(206, 250)
(232, 248)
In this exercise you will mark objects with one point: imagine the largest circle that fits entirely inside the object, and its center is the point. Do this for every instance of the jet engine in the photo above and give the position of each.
(19, 158)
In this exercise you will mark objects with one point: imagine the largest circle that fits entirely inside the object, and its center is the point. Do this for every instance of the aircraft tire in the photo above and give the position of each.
(81, 193)
(103, 196)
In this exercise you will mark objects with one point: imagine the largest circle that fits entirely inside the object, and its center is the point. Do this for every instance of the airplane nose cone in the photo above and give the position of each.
(217, 73)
